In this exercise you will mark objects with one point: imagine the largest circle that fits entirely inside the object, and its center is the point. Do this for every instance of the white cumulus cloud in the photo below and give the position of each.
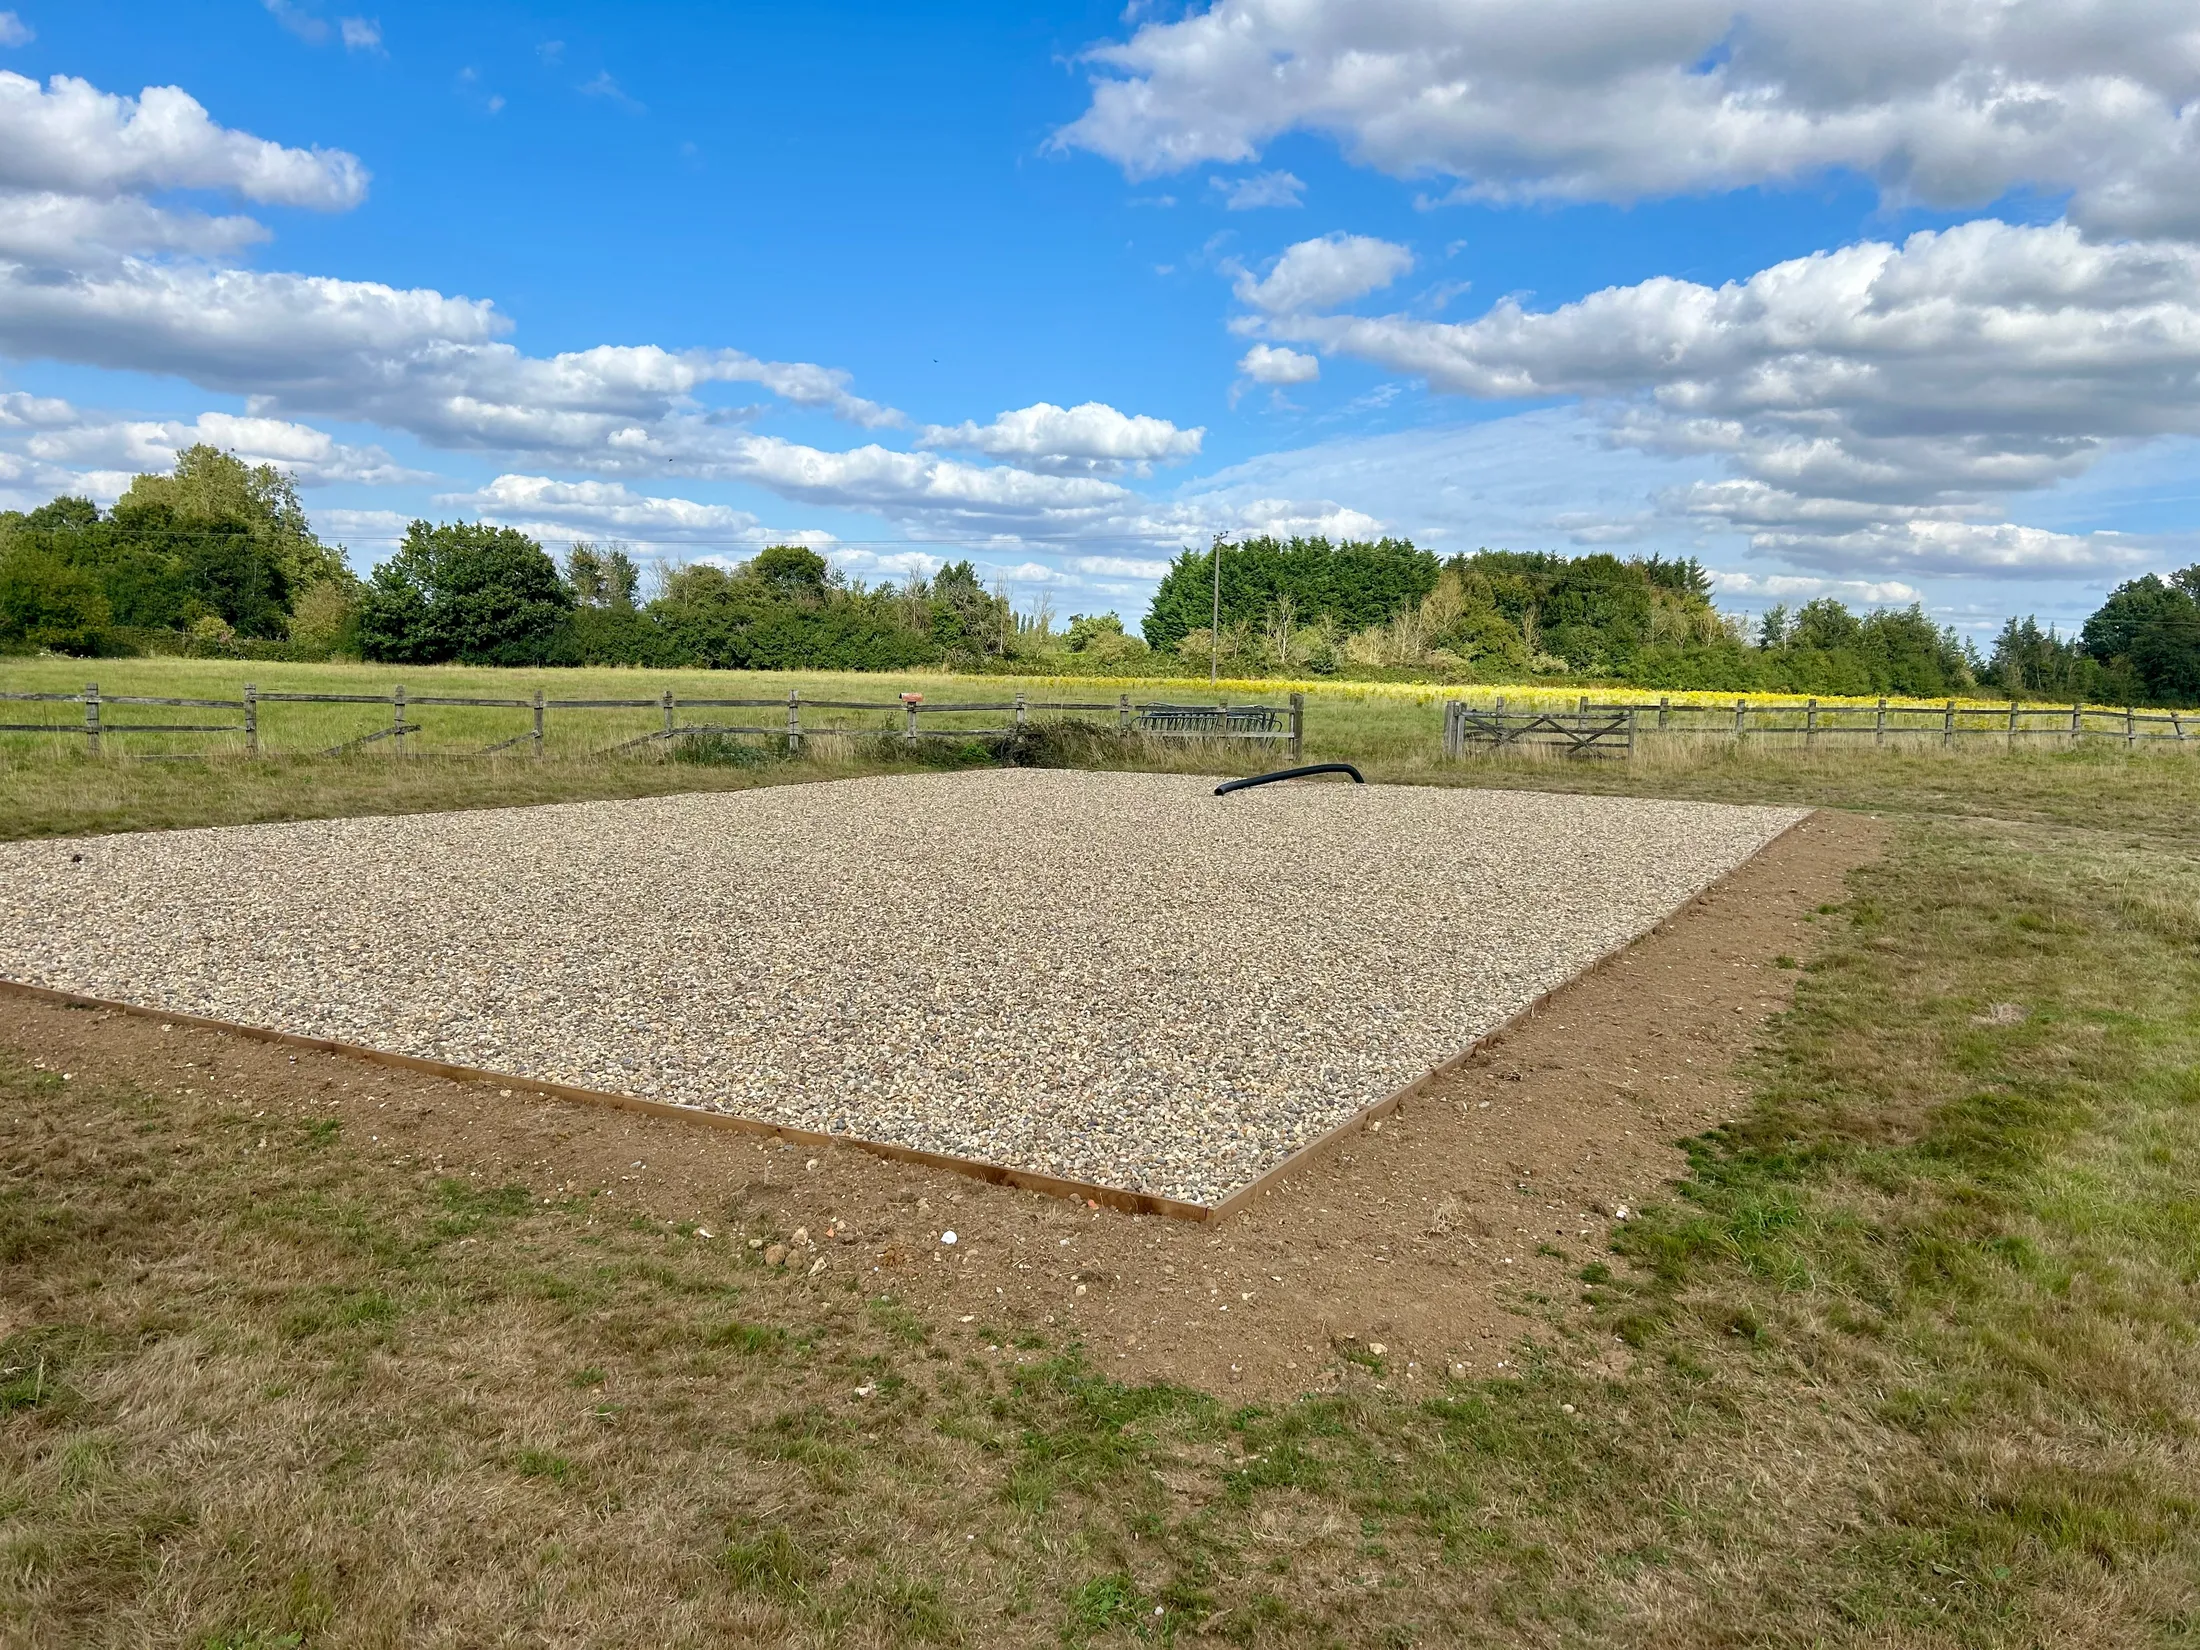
(1951, 104)
(551, 509)
(1299, 518)
(1120, 567)
(1785, 587)
(69, 136)
(313, 457)
(1322, 273)
(14, 31)
(1872, 403)
(1273, 364)
(1091, 439)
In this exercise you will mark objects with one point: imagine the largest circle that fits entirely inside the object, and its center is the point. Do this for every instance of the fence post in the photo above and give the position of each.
(666, 706)
(1665, 709)
(2076, 712)
(1633, 713)
(1810, 724)
(538, 724)
(1298, 726)
(2012, 724)
(910, 731)
(2177, 721)
(91, 717)
(1019, 710)
(1122, 713)
(1741, 707)
(2131, 728)
(1948, 727)
(794, 721)
(251, 720)
(397, 717)
(1879, 729)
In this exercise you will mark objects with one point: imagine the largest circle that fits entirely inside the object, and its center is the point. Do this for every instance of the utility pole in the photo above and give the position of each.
(1214, 632)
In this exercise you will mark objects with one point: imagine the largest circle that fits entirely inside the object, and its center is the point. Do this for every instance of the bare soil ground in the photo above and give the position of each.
(1437, 1239)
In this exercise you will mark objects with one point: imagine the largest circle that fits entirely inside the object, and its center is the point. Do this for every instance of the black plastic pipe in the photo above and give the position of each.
(1312, 768)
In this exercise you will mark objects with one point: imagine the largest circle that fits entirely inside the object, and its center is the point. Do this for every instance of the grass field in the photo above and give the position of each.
(1917, 1339)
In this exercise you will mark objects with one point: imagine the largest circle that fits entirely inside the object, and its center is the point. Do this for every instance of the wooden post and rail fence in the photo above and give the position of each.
(1273, 724)
(1622, 729)
(1586, 729)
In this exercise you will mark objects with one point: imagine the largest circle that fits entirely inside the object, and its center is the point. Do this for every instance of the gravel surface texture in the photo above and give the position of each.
(1119, 978)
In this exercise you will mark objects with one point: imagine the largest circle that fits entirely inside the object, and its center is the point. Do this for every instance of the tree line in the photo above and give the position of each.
(218, 557)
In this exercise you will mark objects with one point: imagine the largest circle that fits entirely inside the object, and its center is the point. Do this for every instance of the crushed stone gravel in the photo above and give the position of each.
(1118, 978)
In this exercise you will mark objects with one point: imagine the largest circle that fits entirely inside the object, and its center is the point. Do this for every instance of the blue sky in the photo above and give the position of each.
(1884, 304)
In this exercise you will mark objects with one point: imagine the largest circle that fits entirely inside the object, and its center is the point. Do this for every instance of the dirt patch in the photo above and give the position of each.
(1441, 1236)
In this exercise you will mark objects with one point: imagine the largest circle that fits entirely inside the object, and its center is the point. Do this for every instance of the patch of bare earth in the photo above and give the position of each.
(1443, 1235)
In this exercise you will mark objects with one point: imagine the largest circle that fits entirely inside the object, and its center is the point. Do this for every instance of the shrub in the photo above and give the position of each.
(324, 620)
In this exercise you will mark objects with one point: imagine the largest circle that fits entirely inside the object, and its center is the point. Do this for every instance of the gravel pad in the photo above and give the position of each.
(1119, 978)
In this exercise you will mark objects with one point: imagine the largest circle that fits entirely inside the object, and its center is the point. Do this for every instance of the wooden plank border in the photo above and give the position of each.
(974, 1168)
(1317, 1149)
(998, 1174)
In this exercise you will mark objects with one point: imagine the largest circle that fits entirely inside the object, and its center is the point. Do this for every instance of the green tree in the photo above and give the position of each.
(958, 613)
(46, 603)
(605, 578)
(463, 591)
(794, 571)
(210, 488)
(1596, 613)
(785, 616)
(324, 618)
(2146, 638)
(1351, 585)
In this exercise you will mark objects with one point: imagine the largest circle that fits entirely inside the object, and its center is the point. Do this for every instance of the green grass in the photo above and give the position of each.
(1914, 1347)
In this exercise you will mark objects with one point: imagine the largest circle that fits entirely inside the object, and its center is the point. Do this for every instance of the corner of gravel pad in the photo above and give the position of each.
(1091, 990)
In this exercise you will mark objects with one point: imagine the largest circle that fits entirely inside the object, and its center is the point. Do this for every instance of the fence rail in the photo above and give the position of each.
(1285, 724)
(1593, 729)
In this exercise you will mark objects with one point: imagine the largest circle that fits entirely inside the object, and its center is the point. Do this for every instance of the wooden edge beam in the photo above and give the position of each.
(998, 1174)
(1321, 1146)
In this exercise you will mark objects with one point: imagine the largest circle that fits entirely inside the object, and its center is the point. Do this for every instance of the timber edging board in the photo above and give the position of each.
(1319, 1147)
(997, 1174)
